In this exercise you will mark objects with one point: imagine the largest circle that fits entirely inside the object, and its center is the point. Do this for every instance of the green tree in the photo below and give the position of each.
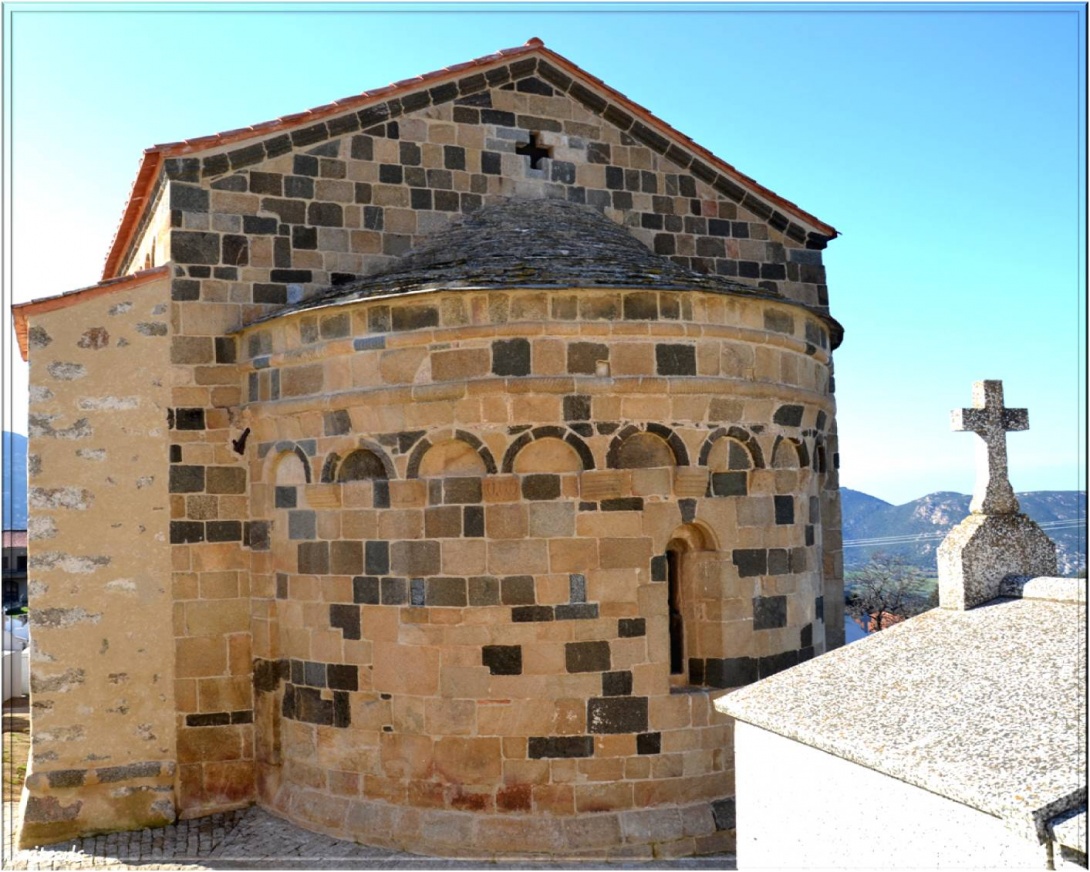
(887, 587)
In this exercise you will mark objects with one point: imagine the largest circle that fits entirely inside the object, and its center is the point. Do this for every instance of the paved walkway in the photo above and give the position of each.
(254, 839)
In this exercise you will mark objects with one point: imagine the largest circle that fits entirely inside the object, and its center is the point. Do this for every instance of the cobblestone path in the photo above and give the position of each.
(254, 839)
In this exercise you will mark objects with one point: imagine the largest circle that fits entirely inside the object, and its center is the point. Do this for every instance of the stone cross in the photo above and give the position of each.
(991, 421)
(534, 151)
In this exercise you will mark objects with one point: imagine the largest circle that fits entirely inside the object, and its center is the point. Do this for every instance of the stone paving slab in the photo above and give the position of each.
(254, 839)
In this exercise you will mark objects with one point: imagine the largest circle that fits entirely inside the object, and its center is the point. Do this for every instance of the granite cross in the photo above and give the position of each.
(991, 421)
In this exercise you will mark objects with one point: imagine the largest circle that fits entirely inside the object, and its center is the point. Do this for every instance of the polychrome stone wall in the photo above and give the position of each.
(462, 621)
(102, 670)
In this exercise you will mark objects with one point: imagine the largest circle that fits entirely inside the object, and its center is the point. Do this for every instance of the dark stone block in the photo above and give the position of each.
(511, 357)
(577, 587)
(188, 198)
(446, 592)
(254, 225)
(267, 674)
(415, 317)
(256, 535)
(182, 532)
(417, 592)
(630, 628)
(285, 497)
(484, 590)
(617, 714)
(729, 484)
(188, 246)
(420, 198)
(675, 359)
(325, 214)
(540, 486)
(409, 154)
(175, 453)
(724, 814)
(577, 407)
(342, 709)
(777, 663)
(345, 618)
(266, 183)
(365, 590)
(576, 611)
(583, 356)
(490, 163)
(660, 568)
(302, 524)
(497, 117)
(281, 585)
(223, 531)
(517, 590)
(313, 558)
(806, 636)
(749, 269)
(268, 293)
(779, 561)
(311, 708)
(769, 612)
(785, 508)
(473, 521)
(641, 306)
(586, 656)
(788, 416)
(380, 494)
(542, 747)
(304, 237)
(211, 719)
(184, 290)
(562, 171)
(395, 591)
(617, 683)
(528, 614)
(649, 743)
(342, 676)
(314, 673)
(502, 659)
(186, 479)
(750, 561)
(415, 558)
(729, 671)
(454, 157)
(819, 608)
(622, 504)
(462, 489)
(288, 276)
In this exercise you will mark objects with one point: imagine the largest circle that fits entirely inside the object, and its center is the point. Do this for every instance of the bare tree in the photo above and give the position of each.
(886, 591)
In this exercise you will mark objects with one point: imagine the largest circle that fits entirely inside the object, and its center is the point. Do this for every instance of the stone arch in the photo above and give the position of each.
(538, 436)
(460, 453)
(646, 451)
(788, 453)
(741, 437)
(289, 464)
(366, 463)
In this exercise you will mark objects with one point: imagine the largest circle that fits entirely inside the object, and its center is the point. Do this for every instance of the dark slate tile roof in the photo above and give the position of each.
(521, 243)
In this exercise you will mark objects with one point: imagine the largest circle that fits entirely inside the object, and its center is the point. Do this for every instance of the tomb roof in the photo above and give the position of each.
(984, 706)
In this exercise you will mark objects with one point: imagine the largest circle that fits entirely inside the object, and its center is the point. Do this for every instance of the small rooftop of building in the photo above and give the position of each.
(984, 706)
(535, 243)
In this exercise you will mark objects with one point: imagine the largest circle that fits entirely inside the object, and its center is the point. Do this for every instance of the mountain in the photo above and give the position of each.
(14, 468)
(916, 529)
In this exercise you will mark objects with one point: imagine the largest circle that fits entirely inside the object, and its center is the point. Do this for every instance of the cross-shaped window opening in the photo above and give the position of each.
(534, 151)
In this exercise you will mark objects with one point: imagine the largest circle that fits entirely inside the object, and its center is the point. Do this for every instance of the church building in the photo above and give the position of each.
(422, 468)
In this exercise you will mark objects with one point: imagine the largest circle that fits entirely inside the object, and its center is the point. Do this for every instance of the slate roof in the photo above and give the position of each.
(535, 243)
(984, 706)
(265, 140)
(531, 243)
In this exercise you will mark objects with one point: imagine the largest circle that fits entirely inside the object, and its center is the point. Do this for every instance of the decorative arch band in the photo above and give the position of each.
(548, 432)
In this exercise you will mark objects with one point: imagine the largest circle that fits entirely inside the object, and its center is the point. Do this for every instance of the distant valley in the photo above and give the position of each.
(916, 529)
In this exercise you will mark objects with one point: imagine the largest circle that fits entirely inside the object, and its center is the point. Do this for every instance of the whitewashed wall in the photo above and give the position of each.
(798, 807)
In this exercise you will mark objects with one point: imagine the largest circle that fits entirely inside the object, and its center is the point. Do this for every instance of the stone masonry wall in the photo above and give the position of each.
(471, 642)
(102, 681)
(264, 224)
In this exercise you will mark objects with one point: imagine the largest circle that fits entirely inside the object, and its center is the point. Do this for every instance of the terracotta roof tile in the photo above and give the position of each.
(21, 311)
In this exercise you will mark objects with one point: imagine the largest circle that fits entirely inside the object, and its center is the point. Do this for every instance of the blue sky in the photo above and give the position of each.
(945, 142)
